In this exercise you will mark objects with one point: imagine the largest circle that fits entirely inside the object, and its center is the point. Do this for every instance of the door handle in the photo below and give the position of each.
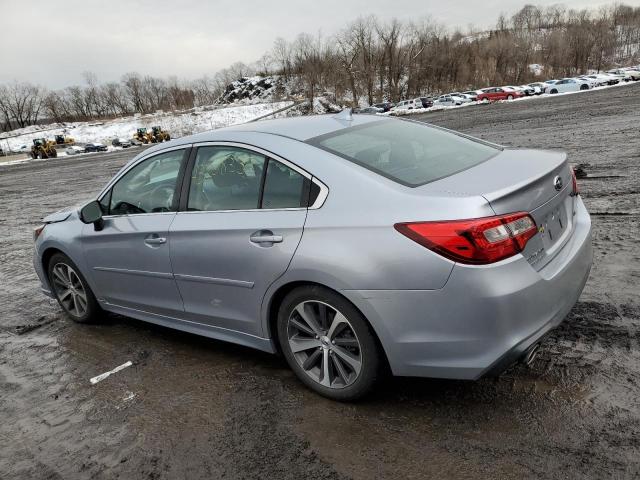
(155, 241)
(265, 236)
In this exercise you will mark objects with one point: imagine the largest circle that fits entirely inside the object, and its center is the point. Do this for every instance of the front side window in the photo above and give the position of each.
(149, 187)
(407, 152)
(225, 178)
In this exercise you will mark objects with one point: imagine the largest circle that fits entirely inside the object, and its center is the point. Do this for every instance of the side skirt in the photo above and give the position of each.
(196, 328)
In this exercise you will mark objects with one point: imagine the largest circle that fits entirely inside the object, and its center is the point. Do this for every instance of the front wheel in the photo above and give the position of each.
(584, 86)
(71, 290)
(485, 100)
(328, 343)
(554, 91)
(509, 97)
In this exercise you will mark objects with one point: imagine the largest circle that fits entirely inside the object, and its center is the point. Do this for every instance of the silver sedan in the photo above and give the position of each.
(352, 245)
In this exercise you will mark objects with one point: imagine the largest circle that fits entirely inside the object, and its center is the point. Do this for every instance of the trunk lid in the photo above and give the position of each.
(522, 181)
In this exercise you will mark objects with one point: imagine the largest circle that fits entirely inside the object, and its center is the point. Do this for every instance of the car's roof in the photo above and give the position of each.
(301, 128)
(296, 128)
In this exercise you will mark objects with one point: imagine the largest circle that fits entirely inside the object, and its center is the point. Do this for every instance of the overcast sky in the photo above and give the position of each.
(53, 42)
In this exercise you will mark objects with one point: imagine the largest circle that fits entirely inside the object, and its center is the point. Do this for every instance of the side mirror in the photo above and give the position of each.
(92, 213)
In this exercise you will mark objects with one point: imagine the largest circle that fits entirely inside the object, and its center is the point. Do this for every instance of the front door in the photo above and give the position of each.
(129, 258)
(237, 235)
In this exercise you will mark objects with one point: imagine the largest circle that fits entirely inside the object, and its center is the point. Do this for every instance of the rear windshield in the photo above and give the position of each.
(407, 152)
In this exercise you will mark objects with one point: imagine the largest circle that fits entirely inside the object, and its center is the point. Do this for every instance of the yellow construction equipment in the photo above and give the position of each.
(143, 136)
(160, 135)
(43, 148)
(64, 140)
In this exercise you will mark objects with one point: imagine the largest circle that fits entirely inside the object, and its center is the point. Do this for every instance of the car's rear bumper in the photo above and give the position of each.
(484, 317)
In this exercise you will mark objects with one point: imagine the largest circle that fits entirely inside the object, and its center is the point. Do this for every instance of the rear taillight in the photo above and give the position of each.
(574, 182)
(476, 241)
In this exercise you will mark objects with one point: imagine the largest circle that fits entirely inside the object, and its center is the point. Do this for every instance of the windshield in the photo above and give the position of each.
(407, 152)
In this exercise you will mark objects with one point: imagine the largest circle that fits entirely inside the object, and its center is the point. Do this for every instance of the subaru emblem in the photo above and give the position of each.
(557, 183)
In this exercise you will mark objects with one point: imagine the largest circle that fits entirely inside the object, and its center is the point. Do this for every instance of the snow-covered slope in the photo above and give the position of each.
(178, 124)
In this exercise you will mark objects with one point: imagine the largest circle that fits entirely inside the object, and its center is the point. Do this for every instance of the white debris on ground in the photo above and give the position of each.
(178, 124)
(104, 375)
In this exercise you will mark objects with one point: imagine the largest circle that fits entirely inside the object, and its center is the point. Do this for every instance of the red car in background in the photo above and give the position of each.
(498, 93)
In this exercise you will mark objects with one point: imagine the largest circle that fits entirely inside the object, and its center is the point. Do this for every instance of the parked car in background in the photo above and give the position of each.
(447, 101)
(599, 79)
(625, 74)
(527, 90)
(464, 98)
(472, 94)
(368, 110)
(407, 105)
(538, 87)
(122, 142)
(493, 94)
(591, 81)
(426, 102)
(73, 150)
(95, 147)
(385, 106)
(568, 85)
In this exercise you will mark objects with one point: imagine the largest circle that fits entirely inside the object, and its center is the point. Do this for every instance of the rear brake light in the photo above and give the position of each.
(574, 182)
(476, 241)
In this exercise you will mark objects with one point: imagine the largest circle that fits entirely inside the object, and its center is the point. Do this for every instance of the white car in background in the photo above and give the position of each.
(601, 79)
(448, 101)
(625, 74)
(407, 105)
(463, 97)
(591, 81)
(73, 150)
(568, 85)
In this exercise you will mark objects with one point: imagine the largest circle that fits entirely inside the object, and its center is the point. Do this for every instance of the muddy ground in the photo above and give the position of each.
(197, 408)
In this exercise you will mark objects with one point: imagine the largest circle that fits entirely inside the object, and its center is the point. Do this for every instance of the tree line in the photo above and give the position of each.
(368, 60)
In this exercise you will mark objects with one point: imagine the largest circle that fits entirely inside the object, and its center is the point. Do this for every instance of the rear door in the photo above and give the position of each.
(240, 223)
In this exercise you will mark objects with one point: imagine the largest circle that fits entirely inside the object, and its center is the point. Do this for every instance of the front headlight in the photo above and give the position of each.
(37, 231)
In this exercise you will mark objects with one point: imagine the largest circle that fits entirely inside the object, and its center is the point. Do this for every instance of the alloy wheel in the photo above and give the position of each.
(69, 289)
(324, 344)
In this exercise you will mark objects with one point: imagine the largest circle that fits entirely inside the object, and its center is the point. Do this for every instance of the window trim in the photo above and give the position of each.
(186, 181)
(179, 180)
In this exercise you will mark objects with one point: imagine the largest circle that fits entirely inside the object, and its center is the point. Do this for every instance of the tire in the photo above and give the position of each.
(509, 97)
(553, 91)
(352, 340)
(485, 100)
(54, 153)
(72, 290)
(168, 137)
(584, 86)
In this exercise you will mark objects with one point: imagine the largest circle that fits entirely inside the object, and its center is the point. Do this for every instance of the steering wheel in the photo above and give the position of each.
(161, 198)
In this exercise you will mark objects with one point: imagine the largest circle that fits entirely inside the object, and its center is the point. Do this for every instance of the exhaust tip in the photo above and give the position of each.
(530, 354)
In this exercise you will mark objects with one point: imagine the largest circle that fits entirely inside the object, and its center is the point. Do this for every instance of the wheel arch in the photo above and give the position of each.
(275, 300)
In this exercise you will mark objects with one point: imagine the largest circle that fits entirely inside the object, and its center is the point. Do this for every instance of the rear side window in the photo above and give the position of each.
(283, 187)
(409, 153)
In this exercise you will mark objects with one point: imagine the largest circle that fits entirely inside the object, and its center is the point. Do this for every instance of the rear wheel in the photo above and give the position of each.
(553, 91)
(71, 290)
(509, 97)
(485, 100)
(328, 343)
(584, 86)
